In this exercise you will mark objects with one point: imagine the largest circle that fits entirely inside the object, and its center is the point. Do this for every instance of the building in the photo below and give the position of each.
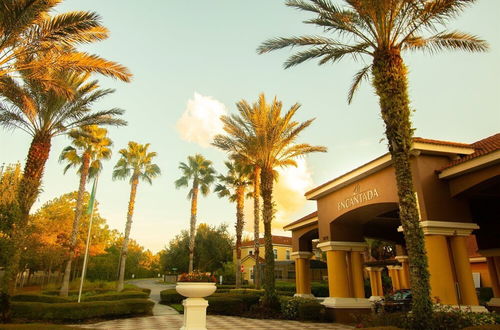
(457, 187)
(282, 249)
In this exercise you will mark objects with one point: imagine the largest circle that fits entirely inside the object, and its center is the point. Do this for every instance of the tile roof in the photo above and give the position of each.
(472, 247)
(307, 217)
(283, 240)
(482, 147)
(441, 143)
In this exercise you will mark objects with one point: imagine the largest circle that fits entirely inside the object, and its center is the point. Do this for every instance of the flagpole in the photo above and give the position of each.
(84, 269)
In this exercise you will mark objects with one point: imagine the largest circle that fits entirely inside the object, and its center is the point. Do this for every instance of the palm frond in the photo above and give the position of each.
(363, 74)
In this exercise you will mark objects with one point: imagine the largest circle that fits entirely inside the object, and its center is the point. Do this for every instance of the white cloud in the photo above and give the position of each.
(200, 121)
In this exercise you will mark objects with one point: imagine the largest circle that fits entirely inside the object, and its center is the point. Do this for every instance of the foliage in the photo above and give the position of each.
(40, 298)
(117, 296)
(196, 277)
(170, 296)
(225, 305)
(312, 311)
(81, 311)
(484, 294)
(10, 176)
(227, 273)
(215, 247)
(290, 306)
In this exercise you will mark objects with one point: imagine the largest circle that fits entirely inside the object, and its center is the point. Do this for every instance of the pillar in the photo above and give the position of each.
(493, 263)
(338, 279)
(394, 275)
(302, 273)
(375, 274)
(440, 269)
(358, 284)
(345, 279)
(404, 274)
(492, 269)
(463, 271)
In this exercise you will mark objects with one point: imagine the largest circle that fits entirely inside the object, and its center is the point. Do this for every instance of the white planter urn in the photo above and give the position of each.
(195, 307)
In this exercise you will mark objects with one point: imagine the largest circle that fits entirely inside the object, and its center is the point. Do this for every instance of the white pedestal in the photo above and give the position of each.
(375, 298)
(495, 302)
(333, 302)
(195, 314)
(304, 295)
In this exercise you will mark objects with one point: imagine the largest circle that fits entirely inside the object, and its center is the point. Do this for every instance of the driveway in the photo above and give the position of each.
(152, 283)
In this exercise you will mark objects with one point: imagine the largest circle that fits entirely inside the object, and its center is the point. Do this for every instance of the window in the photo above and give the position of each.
(250, 253)
(287, 254)
(275, 253)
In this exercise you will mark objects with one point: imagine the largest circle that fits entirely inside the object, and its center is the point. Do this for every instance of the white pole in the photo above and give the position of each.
(84, 270)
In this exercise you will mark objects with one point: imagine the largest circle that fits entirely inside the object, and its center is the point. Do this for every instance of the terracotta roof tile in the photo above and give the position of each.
(284, 240)
(307, 217)
(441, 143)
(482, 147)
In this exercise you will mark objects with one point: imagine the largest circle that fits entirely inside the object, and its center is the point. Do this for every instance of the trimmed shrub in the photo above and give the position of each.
(285, 293)
(312, 311)
(232, 286)
(290, 306)
(224, 305)
(132, 287)
(285, 286)
(117, 296)
(320, 289)
(170, 296)
(40, 298)
(246, 291)
(484, 294)
(75, 292)
(80, 311)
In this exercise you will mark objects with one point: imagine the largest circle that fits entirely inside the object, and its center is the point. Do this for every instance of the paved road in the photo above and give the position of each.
(152, 283)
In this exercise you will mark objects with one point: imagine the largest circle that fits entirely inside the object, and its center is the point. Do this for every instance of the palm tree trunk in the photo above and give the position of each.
(192, 228)
(27, 193)
(389, 80)
(256, 224)
(270, 299)
(240, 201)
(76, 223)
(130, 213)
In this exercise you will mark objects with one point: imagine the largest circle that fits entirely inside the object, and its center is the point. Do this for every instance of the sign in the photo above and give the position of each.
(357, 197)
(242, 268)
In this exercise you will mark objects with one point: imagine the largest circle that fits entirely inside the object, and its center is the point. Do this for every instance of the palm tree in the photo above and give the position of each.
(94, 145)
(33, 40)
(233, 185)
(135, 162)
(271, 138)
(43, 115)
(380, 31)
(201, 173)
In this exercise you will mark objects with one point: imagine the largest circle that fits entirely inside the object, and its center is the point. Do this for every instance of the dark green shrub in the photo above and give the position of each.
(131, 287)
(484, 294)
(290, 306)
(320, 289)
(117, 296)
(225, 305)
(312, 311)
(285, 286)
(246, 291)
(75, 292)
(40, 298)
(80, 311)
(285, 293)
(170, 296)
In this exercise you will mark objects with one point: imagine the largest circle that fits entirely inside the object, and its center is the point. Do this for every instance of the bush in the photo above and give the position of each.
(170, 296)
(312, 311)
(80, 311)
(75, 292)
(290, 306)
(117, 296)
(40, 298)
(131, 287)
(224, 305)
(285, 293)
(320, 289)
(285, 286)
(246, 291)
(484, 294)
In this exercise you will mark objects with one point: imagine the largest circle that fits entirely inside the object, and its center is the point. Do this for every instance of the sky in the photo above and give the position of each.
(193, 60)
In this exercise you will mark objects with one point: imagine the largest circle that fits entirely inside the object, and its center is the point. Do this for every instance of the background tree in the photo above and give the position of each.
(93, 144)
(200, 172)
(214, 249)
(233, 185)
(135, 162)
(274, 138)
(10, 176)
(381, 31)
(44, 114)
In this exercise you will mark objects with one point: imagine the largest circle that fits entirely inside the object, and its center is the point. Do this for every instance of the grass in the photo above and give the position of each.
(178, 307)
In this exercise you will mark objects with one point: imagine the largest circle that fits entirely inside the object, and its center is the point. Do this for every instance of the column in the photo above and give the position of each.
(494, 270)
(440, 268)
(404, 274)
(394, 275)
(302, 273)
(345, 277)
(338, 279)
(358, 283)
(375, 274)
(463, 270)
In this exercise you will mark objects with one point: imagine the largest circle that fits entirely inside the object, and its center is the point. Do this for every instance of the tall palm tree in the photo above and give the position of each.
(43, 115)
(272, 137)
(135, 162)
(201, 173)
(90, 144)
(233, 185)
(379, 31)
(31, 39)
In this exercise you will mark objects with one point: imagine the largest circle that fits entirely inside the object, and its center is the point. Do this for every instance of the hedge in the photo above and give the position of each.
(320, 289)
(75, 292)
(246, 291)
(131, 287)
(80, 311)
(117, 296)
(312, 311)
(41, 298)
(224, 305)
(170, 296)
